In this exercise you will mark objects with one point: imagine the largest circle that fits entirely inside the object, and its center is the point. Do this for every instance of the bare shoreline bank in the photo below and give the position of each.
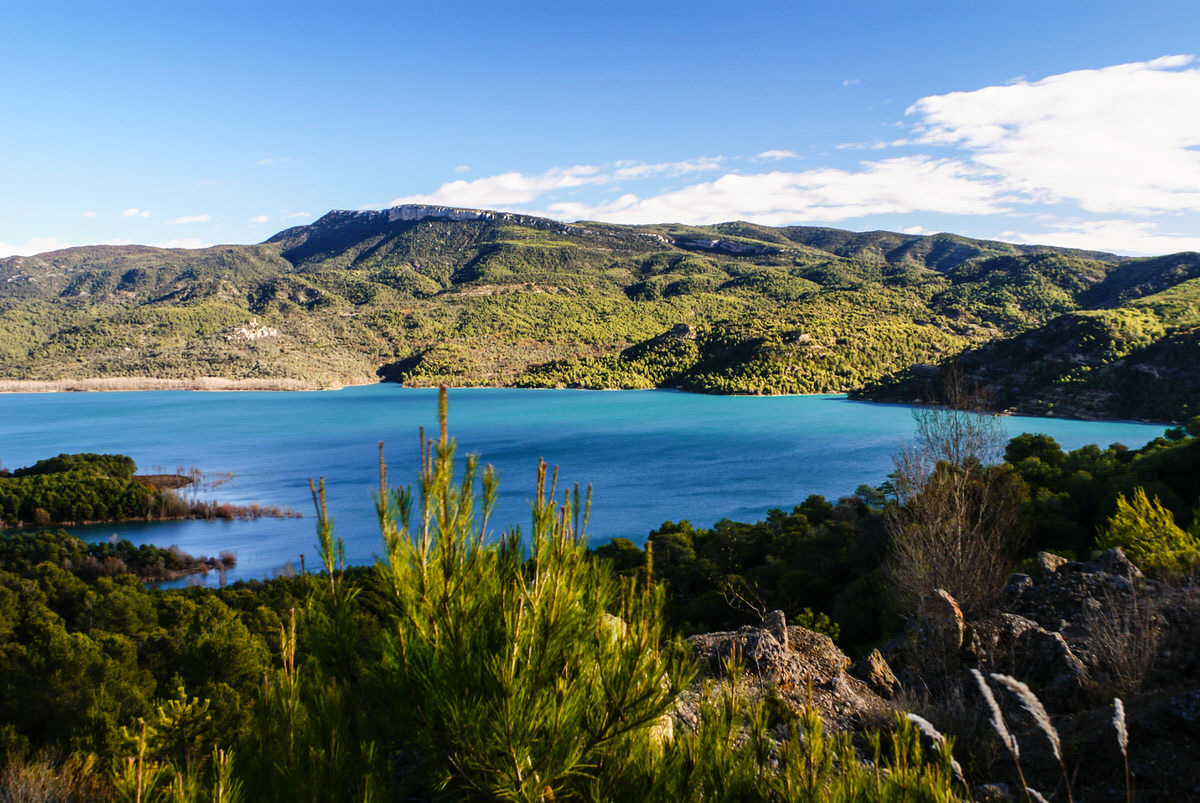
(132, 383)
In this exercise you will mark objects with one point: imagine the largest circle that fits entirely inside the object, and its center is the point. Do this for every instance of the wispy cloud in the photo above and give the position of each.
(463, 169)
(639, 170)
(776, 155)
(89, 214)
(873, 145)
(852, 82)
(183, 242)
(505, 188)
(259, 219)
(294, 215)
(270, 160)
(890, 186)
(34, 245)
(133, 211)
(190, 219)
(1122, 236)
(514, 188)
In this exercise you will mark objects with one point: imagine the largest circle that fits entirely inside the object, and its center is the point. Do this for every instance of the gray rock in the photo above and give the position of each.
(1017, 646)
(1049, 563)
(811, 670)
(1115, 562)
(775, 623)
(938, 634)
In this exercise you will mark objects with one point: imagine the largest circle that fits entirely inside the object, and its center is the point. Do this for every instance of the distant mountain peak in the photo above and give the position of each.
(411, 213)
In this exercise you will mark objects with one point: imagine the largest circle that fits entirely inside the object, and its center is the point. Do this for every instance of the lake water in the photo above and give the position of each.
(651, 456)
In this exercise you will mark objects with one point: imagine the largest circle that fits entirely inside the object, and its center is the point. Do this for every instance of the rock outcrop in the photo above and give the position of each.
(799, 666)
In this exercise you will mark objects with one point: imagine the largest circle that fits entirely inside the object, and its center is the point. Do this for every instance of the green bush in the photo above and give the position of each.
(1147, 532)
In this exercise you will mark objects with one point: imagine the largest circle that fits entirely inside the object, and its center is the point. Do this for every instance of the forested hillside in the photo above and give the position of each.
(428, 295)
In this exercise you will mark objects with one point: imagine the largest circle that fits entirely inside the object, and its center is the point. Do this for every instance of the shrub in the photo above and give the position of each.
(1147, 532)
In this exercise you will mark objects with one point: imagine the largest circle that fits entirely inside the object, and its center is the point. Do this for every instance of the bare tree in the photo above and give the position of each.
(957, 522)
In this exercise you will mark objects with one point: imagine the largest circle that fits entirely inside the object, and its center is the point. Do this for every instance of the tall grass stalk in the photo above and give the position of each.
(997, 719)
(1123, 742)
(1033, 706)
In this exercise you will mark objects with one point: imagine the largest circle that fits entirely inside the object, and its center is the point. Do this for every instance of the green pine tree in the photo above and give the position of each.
(1149, 535)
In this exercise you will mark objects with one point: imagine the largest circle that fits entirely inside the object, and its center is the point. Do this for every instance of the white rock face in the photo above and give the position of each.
(252, 331)
(411, 212)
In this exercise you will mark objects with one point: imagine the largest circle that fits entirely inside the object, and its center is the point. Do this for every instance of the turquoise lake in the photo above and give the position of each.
(650, 456)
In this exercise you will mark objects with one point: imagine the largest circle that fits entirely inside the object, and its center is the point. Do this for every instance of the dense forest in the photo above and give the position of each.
(427, 296)
(526, 668)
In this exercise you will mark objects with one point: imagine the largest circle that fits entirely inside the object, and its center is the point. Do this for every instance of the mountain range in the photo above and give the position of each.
(426, 295)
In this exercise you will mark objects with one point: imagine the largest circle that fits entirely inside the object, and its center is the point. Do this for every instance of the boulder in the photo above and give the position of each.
(809, 671)
(775, 623)
(1017, 646)
(936, 636)
(1048, 563)
(875, 672)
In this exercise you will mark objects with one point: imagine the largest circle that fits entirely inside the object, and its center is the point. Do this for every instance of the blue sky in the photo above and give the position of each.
(189, 124)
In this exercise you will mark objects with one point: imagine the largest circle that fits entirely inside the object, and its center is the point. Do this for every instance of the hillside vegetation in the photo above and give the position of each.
(427, 295)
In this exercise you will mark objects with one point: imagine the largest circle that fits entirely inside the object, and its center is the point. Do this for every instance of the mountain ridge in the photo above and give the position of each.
(426, 294)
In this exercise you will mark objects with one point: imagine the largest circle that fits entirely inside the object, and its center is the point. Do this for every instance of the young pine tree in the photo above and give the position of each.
(1149, 535)
(516, 669)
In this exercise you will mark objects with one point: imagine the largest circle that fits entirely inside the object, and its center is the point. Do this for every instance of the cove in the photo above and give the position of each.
(650, 456)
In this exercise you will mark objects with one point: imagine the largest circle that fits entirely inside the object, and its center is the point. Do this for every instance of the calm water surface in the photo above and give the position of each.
(651, 456)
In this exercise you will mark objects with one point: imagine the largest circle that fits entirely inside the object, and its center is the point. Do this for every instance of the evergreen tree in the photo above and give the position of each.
(1148, 533)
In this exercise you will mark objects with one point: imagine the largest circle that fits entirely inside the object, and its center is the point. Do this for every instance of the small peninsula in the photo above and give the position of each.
(73, 489)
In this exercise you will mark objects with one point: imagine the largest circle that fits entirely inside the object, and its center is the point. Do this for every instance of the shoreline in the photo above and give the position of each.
(113, 384)
(223, 384)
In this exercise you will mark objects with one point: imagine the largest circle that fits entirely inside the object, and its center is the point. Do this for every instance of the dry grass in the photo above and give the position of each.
(48, 779)
(1126, 633)
(115, 383)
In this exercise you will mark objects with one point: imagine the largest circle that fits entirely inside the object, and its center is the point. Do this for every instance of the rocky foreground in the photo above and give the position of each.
(1078, 634)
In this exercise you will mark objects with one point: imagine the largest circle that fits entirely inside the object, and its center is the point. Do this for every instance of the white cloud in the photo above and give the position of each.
(891, 186)
(183, 242)
(133, 211)
(34, 245)
(504, 189)
(1120, 139)
(852, 82)
(89, 213)
(917, 230)
(776, 155)
(463, 169)
(265, 162)
(873, 145)
(1117, 235)
(295, 215)
(259, 219)
(1119, 142)
(190, 219)
(513, 188)
(639, 170)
